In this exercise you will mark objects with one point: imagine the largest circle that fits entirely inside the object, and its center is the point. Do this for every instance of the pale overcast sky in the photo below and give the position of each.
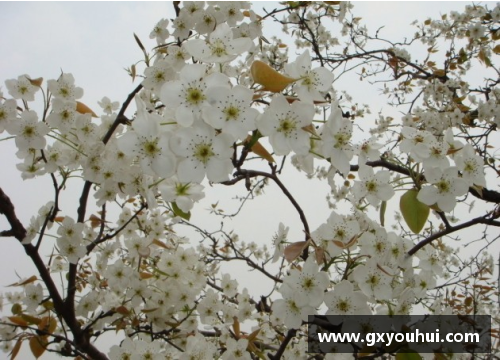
(94, 41)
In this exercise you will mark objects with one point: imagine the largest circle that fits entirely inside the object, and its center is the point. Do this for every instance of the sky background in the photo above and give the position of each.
(94, 41)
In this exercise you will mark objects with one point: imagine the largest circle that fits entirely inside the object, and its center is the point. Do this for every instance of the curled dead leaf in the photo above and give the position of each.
(37, 82)
(293, 251)
(320, 256)
(311, 129)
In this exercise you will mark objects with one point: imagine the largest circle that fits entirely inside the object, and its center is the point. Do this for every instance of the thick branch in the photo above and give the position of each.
(17, 229)
(290, 334)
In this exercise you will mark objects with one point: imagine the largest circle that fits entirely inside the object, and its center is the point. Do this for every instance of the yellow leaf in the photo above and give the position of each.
(496, 49)
(463, 107)
(414, 212)
(145, 275)
(48, 324)
(259, 150)
(18, 320)
(294, 250)
(148, 310)
(37, 345)
(253, 336)
(269, 78)
(133, 72)
(95, 221)
(439, 72)
(30, 319)
(383, 207)
(123, 310)
(236, 327)
(161, 244)
(31, 279)
(83, 109)
(16, 348)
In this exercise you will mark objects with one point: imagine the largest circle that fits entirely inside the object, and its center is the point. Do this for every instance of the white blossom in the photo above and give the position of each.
(284, 123)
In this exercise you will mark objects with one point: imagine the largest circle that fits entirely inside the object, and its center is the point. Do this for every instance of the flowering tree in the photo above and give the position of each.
(219, 103)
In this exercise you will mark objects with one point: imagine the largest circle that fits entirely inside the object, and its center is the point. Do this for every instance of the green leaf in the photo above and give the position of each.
(383, 207)
(179, 212)
(408, 354)
(414, 212)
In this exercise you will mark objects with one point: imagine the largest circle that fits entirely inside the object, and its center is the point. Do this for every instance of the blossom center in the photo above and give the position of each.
(308, 283)
(64, 92)
(203, 152)
(195, 96)
(342, 139)
(151, 148)
(208, 20)
(231, 113)
(469, 167)
(340, 233)
(182, 189)
(160, 76)
(373, 280)
(343, 306)
(287, 126)
(29, 131)
(218, 48)
(293, 306)
(371, 186)
(443, 186)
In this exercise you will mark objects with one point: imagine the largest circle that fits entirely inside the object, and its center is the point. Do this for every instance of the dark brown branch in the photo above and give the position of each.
(82, 208)
(244, 174)
(290, 334)
(17, 229)
(96, 242)
(485, 194)
(81, 339)
(486, 220)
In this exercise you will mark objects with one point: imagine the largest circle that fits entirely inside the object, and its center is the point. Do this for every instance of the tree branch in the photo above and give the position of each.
(7, 208)
(289, 335)
(484, 194)
(245, 174)
(81, 339)
(487, 220)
